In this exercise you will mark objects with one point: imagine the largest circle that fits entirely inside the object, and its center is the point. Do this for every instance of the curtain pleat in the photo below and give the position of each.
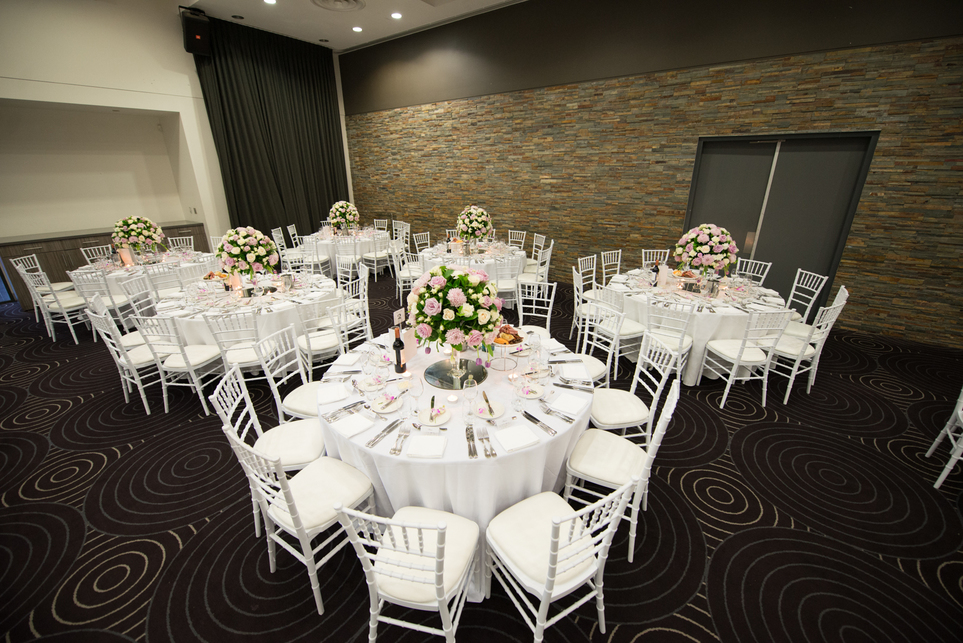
(273, 108)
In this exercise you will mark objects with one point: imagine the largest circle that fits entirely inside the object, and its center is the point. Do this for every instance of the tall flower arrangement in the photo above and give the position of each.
(473, 223)
(455, 306)
(245, 251)
(138, 233)
(343, 215)
(707, 248)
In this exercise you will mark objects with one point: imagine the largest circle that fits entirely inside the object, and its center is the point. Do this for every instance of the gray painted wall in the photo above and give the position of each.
(541, 43)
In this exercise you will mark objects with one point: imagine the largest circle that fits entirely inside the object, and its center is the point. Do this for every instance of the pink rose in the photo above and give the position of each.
(229, 261)
(421, 282)
(437, 282)
(457, 297)
(432, 307)
(257, 267)
(423, 331)
(273, 259)
(454, 336)
(475, 338)
(487, 301)
(498, 303)
(733, 248)
(703, 238)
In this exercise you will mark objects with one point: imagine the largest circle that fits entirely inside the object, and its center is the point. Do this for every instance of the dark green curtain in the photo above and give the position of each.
(273, 107)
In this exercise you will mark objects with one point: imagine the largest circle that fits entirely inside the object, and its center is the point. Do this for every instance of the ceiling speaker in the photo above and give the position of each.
(197, 33)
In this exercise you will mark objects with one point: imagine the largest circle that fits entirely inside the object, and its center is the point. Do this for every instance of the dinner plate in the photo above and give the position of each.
(424, 416)
(481, 410)
(535, 391)
(367, 384)
(390, 408)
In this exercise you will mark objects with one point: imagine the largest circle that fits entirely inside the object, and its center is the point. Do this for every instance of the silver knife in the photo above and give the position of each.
(575, 388)
(381, 436)
(491, 411)
(564, 361)
(534, 420)
(334, 415)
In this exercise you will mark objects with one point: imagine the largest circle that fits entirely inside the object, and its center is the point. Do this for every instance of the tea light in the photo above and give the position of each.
(453, 399)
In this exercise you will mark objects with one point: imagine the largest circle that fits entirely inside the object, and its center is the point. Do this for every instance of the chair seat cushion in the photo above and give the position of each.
(302, 401)
(615, 408)
(797, 329)
(672, 341)
(521, 536)
(601, 456)
(591, 293)
(631, 328)
(319, 341)
(729, 349)
(197, 355)
(242, 353)
(793, 346)
(296, 444)
(538, 330)
(461, 539)
(57, 286)
(132, 339)
(595, 367)
(376, 256)
(529, 278)
(66, 302)
(317, 487)
(140, 355)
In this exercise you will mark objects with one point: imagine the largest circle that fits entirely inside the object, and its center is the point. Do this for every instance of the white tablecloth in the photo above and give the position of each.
(117, 276)
(474, 488)
(432, 258)
(327, 247)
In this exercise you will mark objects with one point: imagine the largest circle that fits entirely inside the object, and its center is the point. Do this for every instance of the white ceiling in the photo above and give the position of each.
(308, 20)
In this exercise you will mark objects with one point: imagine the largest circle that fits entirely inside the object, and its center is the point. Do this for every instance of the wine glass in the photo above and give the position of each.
(520, 386)
(469, 389)
(415, 389)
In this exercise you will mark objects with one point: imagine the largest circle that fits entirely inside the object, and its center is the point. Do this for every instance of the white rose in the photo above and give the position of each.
(251, 256)
(467, 310)
(448, 314)
(474, 279)
(483, 316)
(261, 251)
(412, 299)
(435, 271)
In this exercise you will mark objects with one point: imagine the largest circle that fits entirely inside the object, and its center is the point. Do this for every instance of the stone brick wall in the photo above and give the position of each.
(607, 164)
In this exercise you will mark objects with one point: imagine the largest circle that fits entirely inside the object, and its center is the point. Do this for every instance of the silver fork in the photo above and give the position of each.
(545, 407)
(486, 443)
(400, 442)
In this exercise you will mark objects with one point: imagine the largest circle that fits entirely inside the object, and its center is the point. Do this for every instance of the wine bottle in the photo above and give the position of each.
(399, 346)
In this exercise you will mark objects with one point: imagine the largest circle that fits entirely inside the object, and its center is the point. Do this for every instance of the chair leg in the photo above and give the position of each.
(732, 376)
(633, 525)
(600, 605)
(954, 457)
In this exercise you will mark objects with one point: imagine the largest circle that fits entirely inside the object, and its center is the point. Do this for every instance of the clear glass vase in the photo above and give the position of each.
(455, 364)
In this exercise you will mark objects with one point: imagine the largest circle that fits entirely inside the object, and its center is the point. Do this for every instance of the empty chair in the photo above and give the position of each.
(346, 270)
(505, 278)
(669, 321)
(90, 282)
(755, 271)
(422, 241)
(317, 339)
(794, 355)
(235, 333)
(538, 242)
(284, 366)
(599, 341)
(805, 289)
(408, 268)
(298, 510)
(630, 332)
(313, 257)
(136, 364)
(346, 257)
(379, 258)
(401, 235)
(651, 257)
(953, 431)
(747, 358)
(516, 238)
(293, 233)
(216, 241)
(611, 265)
(351, 324)
(535, 303)
(93, 254)
(179, 363)
(381, 224)
(296, 240)
(581, 306)
(539, 272)
(798, 328)
(29, 263)
(541, 546)
(586, 268)
(56, 307)
(624, 411)
(419, 558)
(608, 460)
(164, 279)
(180, 243)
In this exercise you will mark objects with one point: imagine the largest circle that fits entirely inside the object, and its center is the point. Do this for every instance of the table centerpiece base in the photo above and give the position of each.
(439, 374)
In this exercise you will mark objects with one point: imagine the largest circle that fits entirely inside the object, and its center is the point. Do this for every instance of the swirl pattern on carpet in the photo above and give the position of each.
(695, 437)
(772, 584)
(20, 455)
(846, 490)
(932, 372)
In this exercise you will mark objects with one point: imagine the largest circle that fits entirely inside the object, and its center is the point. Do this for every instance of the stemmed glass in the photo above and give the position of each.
(520, 384)
(469, 390)
(415, 389)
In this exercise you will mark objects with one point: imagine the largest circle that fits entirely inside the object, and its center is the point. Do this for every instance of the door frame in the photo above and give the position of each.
(872, 135)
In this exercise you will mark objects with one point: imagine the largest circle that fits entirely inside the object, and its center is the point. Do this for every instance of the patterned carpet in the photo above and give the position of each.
(815, 521)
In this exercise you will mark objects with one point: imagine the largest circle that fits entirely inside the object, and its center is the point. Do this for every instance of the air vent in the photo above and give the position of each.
(340, 5)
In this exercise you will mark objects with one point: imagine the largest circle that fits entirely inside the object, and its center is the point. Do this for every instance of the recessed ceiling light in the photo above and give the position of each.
(396, 15)
(238, 17)
(356, 28)
(270, 1)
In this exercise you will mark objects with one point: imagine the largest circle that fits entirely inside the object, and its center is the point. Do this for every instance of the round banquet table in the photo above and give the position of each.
(721, 322)
(116, 275)
(479, 488)
(434, 257)
(328, 247)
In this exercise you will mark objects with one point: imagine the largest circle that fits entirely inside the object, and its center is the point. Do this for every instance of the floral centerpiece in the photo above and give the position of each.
(458, 307)
(473, 223)
(706, 248)
(343, 215)
(138, 234)
(246, 251)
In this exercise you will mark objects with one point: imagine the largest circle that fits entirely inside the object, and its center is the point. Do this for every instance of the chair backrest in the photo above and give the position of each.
(578, 288)
(763, 330)
(26, 263)
(586, 268)
(653, 256)
(412, 261)
(233, 405)
(381, 224)
(842, 296)
(422, 241)
(544, 262)
(281, 361)
(89, 282)
(296, 240)
(506, 271)
(652, 448)
(655, 364)
(162, 337)
(230, 328)
(93, 254)
(536, 300)
(516, 238)
(216, 241)
(326, 223)
(601, 334)
(180, 243)
(805, 289)
(293, 232)
(140, 295)
(191, 273)
(753, 270)
(313, 315)
(586, 533)
(401, 231)
(823, 323)
(388, 548)
(346, 267)
(104, 326)
(611, 264)
(346, 247)
(671, 320)
(612, 298)
(278, 235)
(350, 322)
(163, 276)
(268, 481)
(538, 242)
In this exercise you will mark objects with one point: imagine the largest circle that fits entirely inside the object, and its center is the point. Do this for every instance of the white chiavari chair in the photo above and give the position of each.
(135, 364)
(535, 303)
(56, 307)
(953, 432)
(805, 289)
(180, 243)
(422, 241)
(753, 270)
(793, 355)
(611, 265)
(516, 238)
(93, 254)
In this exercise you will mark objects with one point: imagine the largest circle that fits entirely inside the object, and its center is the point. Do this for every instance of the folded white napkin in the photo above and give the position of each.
(768, 291)
(617, 286)
(618, 278)
(427, 446)
(573, 371)
(515, 437)
(569, 404)
(348, 359)
(352, 424)
(552, 344)
(331, 393)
